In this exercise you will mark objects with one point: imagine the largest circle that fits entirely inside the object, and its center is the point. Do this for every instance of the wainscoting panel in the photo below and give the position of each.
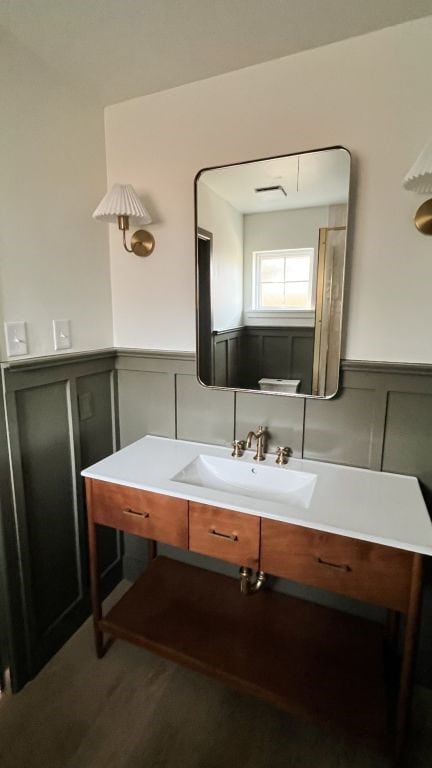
(244, 355)
(14, 650)
(48, 484)
(227, 357)
(146, 404)
(216, 412)
(408, 440)
(281, 415)
(341, 430)
(252, 354)
(221, 363)
(97, 438)
(59, 414)
(302, 361)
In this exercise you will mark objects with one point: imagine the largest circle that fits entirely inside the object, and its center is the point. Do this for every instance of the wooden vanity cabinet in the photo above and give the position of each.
(311, 660)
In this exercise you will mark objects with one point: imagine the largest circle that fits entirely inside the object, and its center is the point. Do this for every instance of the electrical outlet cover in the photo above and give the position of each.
(62, 334)
(16, 338)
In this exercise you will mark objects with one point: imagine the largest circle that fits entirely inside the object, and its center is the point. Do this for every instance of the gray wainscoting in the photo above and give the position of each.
(381, 419)
(13, 646)
(65, 412)
(242, 356)
(60, 416)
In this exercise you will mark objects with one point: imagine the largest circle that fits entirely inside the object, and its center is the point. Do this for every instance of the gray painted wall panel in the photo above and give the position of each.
(341, 430)
(94, 393)
(95, 412)
(246, 354)
(283, 417)
(146, 404)
(302, 362)
(408, 439)
(43, 426)
(215, 410)
(47, 547)
(14, 650)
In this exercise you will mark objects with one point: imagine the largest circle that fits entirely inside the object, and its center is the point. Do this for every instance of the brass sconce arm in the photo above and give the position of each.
(142, 242)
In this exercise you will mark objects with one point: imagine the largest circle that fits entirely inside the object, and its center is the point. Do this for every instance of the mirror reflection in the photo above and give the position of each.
(271, 238)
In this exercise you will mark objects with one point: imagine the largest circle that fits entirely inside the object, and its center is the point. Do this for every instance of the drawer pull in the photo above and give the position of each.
(338, 567)
(134, 513)
(228, 536)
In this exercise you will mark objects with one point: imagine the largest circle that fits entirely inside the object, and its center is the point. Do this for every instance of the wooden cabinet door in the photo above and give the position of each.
(360, 569)
(142, 513)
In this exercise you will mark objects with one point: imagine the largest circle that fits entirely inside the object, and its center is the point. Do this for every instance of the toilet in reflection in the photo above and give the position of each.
(279, 385)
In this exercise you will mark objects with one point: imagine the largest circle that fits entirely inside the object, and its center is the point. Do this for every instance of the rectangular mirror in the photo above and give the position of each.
(270, 257)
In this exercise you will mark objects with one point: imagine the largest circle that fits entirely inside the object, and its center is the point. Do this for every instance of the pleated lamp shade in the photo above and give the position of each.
(419, 177)
(121, 200)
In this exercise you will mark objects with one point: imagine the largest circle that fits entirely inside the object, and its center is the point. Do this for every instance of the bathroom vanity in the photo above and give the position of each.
(351, 531)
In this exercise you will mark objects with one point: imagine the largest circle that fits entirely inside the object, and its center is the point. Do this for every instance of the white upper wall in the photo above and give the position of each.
(54, 258)
(368, 94)
(226, 225)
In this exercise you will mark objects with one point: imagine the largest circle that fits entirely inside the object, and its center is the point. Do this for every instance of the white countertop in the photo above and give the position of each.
(373, 506)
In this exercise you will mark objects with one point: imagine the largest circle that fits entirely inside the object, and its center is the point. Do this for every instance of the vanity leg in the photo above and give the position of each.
(391, 646)
(392, 629)
(94, 577)
(409, 646)
(151, 549)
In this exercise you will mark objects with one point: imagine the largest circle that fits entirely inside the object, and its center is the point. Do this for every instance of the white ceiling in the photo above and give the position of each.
(323, 179)
(119, 49)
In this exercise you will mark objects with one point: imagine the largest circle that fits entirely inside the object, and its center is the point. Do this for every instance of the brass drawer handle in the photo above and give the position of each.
(228, 536)
(134, 513)
(339, 567)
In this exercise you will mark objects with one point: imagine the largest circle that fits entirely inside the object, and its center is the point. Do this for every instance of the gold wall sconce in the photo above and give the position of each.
(122, 205)
(419, 179)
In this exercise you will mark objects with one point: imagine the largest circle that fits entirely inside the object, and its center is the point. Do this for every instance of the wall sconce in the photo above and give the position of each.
(419, 179)
(122, 205)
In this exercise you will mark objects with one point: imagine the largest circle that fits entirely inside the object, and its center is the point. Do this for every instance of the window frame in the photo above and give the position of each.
(259, 256)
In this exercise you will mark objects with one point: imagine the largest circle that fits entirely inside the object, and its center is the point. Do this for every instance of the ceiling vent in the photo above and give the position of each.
(270, 193)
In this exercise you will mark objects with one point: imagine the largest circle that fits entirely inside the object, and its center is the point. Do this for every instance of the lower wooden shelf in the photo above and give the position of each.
(310, 660)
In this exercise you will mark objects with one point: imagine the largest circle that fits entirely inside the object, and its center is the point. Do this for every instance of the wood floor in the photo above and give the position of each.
(134, 710)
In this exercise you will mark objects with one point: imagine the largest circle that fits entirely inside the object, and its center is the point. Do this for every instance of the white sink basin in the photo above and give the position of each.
(242, 477)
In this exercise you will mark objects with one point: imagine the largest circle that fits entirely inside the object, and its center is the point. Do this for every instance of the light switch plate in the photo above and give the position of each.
(62, 334)
(16, 338)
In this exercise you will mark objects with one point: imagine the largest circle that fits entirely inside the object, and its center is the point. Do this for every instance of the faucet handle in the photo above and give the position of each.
(282, 454)
(238, 447)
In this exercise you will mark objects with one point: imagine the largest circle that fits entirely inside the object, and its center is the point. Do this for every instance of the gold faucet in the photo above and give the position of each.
(261, 441)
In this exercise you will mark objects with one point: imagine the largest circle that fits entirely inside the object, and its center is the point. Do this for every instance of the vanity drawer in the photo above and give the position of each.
(142, 513)
(230, 536)
(359, 569)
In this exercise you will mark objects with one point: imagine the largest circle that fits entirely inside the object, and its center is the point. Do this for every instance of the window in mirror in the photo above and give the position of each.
(284, 279)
